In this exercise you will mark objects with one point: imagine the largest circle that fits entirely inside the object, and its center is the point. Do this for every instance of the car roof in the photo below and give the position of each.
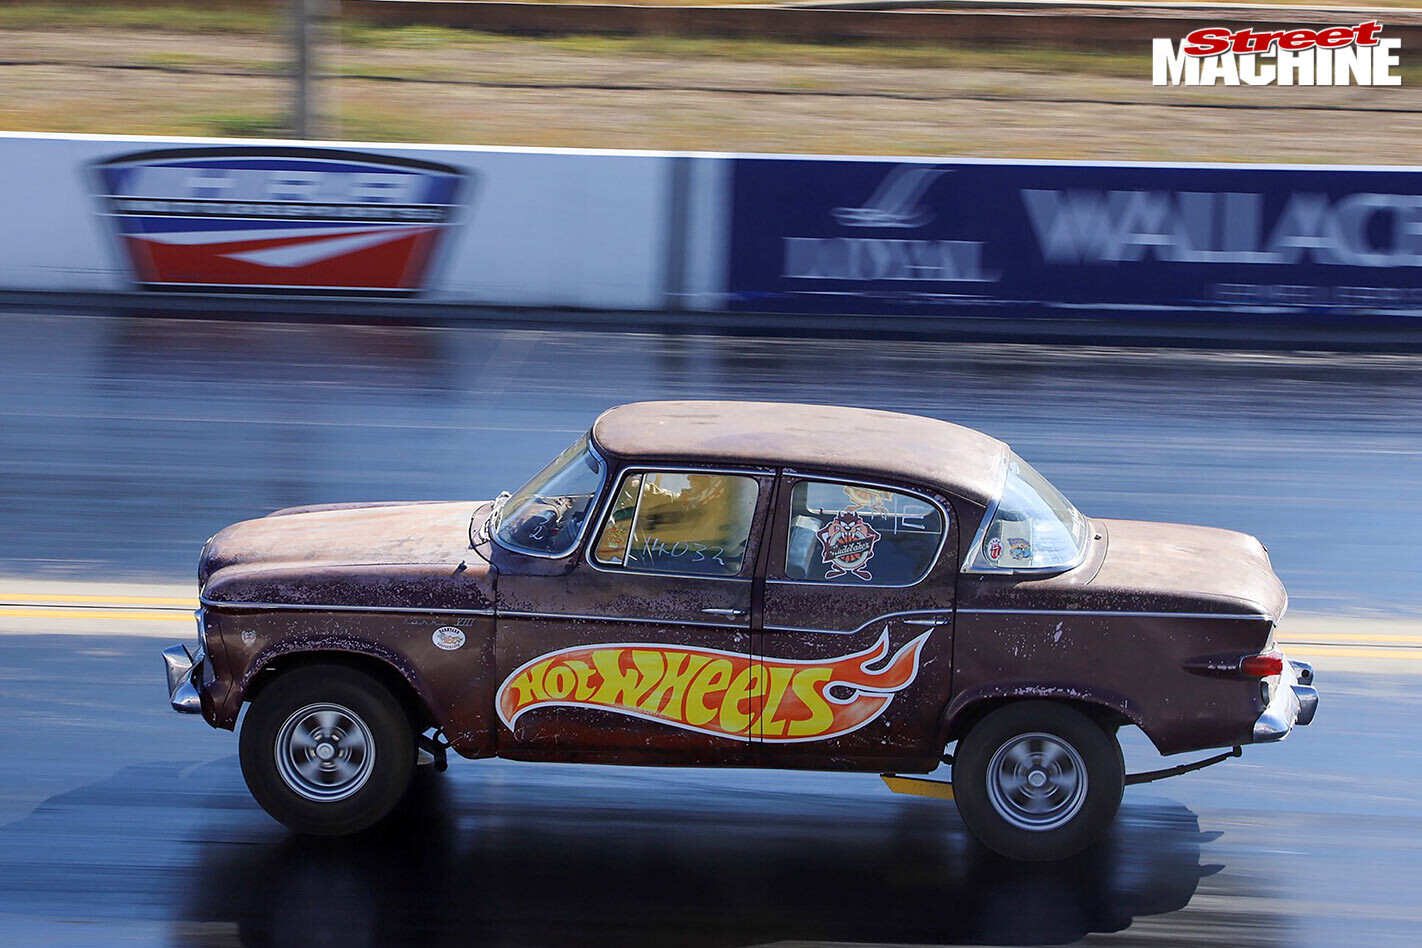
(860, 441)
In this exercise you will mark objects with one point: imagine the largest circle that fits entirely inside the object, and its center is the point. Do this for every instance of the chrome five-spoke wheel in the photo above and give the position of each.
(1036, 781)
(324, 752)
(327, 749)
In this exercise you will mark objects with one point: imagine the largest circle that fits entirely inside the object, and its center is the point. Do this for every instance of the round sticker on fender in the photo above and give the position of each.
(448, 638)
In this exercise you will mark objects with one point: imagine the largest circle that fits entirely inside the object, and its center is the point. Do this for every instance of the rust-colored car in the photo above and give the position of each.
(742, 584)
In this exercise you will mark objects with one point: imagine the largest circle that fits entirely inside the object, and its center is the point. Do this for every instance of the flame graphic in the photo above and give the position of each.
(726, 694)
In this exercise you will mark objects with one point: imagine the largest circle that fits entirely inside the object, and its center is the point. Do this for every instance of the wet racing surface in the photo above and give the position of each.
(130, 441)
(126, 824)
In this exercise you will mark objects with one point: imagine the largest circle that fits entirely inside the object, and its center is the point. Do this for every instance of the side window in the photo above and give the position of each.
(849, 533)
(679, 522)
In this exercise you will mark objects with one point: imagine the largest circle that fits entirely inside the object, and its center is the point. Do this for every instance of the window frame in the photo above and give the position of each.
(578, 541)
(787, 490)
(747, 572)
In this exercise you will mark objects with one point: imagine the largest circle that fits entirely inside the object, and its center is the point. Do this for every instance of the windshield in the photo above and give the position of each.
(1034, 526)
(545, 517)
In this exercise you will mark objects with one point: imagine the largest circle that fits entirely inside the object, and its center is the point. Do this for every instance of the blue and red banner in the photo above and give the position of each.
(277, 219)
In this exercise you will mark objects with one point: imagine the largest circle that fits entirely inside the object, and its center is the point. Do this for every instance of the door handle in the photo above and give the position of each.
(936, 620)
(724, 612)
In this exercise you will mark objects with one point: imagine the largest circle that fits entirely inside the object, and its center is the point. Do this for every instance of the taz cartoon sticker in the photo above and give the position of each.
(847, 545)
(1018, 548)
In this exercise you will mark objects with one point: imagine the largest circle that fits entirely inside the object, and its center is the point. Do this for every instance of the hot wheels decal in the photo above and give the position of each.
(847, 545)
(725, 694)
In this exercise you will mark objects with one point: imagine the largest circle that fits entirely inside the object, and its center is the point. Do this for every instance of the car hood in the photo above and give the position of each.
(1175, 566)
(392, 554)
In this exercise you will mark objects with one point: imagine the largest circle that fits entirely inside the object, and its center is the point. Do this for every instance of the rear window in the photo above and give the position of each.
(1033, 528)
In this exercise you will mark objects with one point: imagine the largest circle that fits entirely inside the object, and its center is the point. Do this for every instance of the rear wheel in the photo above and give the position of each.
(327, 750)
(1037, 780)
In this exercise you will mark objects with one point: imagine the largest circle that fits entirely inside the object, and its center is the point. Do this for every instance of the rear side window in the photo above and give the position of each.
(859, 535)
(679, 522)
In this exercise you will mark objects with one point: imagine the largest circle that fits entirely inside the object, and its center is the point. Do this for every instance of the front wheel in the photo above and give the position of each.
(327, 750)
(1038, 781)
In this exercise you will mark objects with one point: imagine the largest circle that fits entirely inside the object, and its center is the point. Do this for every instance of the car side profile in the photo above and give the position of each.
(745, 585)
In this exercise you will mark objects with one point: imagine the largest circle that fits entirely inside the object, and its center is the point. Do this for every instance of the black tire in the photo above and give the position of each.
(998, 764)
(327, 750)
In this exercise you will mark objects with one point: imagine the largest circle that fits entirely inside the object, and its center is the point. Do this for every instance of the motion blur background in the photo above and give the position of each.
(134, 427)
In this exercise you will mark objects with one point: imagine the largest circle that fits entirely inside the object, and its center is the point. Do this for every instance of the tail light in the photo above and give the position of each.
(1266, 665)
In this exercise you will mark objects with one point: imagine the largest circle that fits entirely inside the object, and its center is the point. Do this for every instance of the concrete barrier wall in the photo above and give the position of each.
(800, 236)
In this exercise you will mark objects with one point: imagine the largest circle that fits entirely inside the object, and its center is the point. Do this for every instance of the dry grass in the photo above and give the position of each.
(689, 94)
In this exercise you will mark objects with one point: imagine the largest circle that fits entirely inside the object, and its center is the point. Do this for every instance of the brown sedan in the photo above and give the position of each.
(742, 584)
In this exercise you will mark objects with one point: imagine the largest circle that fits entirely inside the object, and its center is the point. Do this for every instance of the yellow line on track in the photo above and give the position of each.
(107, 615)
(1353, 651)
(1329, 638)
(45, 599)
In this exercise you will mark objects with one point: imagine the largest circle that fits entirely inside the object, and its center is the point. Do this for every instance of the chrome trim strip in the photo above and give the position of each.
(512, 614)
(1253, 616)
(988, 514)
(936, 617)
(314, 607)
(590, 543)
(945, 516)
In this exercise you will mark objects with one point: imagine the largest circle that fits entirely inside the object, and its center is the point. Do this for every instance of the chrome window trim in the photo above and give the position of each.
(643, 620)
(833, 479)
(940, 618)
(578, 540)
(590, 542)
(309, 607)
(1250, 616)
(988, 516)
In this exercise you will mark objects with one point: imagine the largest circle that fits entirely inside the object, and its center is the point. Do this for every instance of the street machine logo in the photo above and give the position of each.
(724, 694)
(1331, 56)
(249, 219)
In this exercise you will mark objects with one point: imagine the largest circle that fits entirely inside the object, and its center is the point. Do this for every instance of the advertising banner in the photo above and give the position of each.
(925, 238)
(488, 226)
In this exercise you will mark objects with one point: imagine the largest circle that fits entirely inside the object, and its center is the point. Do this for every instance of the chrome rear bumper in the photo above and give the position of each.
(1295, 702)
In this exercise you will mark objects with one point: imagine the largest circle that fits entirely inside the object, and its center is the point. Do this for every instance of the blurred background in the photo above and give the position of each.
(133, 427)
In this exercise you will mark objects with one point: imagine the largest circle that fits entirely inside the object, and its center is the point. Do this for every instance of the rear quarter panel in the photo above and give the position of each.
(1133, 663)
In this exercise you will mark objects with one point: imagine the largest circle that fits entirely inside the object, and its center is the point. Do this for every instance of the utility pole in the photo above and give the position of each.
(304, 32)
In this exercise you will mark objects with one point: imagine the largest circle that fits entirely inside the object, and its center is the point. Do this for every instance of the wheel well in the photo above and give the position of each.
(1107, 717)
(381, 671)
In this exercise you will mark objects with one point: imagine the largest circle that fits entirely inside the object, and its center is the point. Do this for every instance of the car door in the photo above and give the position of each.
(640, 652)
(855, 634)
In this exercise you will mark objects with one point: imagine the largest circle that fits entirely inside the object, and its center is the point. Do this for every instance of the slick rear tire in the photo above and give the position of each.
(1038, 781)
(327, 750)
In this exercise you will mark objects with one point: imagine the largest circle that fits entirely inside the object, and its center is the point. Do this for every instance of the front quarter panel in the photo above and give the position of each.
(451, 683)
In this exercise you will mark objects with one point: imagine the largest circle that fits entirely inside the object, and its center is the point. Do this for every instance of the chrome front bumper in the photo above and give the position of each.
(1294, 702)
(180, 665)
